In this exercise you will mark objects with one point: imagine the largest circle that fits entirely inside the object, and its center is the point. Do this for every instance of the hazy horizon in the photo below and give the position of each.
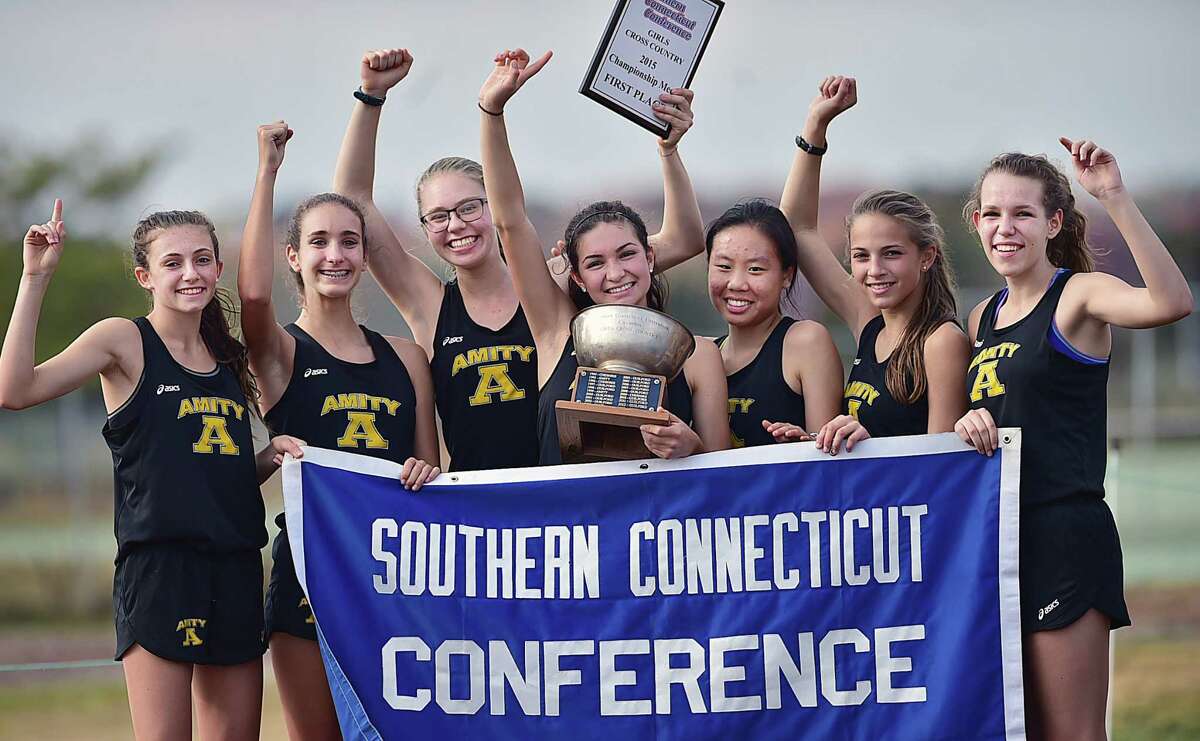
(942, 88)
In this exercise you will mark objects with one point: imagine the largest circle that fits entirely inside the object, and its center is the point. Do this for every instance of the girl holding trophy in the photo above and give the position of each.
(611, 262)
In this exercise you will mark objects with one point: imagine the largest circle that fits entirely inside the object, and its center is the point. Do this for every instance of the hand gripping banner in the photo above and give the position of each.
(769, 592)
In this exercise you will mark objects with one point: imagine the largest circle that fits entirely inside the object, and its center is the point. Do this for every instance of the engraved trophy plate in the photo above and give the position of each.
(626, 356)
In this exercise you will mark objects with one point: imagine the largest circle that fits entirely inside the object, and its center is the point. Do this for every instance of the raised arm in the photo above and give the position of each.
(1166, 297)
(682, 233)
(106, 347)
(269, 347)
(547, 308)
(408, 282)
(801, 192)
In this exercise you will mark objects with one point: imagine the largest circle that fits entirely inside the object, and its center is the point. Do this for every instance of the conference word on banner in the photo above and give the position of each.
(770, 592)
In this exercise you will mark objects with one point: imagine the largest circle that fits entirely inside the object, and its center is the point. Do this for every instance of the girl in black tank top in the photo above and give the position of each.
(759, 389)
(328, 381)
(608, 249)
(785, 376)
(484, 361)
(561, 384)
(1041, 363)
(897, 299)
(188, 514)
(485, 383)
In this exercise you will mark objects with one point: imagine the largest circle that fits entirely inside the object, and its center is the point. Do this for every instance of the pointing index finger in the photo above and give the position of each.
(57, 214)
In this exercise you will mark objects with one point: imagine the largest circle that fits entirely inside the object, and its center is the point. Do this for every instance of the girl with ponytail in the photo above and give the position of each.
(189, 524)
(1042, 348)
(897, 299)
(324, 354)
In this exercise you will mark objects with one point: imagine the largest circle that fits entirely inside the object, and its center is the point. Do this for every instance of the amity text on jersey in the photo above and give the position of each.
(491, 362)
(785, 551)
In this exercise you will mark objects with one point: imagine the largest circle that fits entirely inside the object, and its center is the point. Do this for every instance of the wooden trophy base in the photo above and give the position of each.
(600, 421)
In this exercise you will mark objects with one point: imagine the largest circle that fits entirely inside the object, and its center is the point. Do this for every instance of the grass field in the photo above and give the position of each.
(1156, 683)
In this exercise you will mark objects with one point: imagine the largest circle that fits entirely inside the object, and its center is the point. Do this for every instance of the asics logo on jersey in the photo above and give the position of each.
(315, 372)
(857, 361)
(978, 343)
(163, 388)
(1043, 612)
(451, 340)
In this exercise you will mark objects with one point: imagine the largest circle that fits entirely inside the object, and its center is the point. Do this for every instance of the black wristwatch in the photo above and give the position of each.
(812, 149)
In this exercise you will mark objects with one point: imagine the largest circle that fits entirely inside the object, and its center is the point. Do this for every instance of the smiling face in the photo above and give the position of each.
(885, 260)
(746, 278)
(612, 266)
(181, 270)
(463, 244)
(330, 256)
(1012, 223)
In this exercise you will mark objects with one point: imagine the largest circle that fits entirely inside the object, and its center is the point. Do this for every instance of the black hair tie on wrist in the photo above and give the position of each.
(490, 113)
(812, 149)
(368, 98)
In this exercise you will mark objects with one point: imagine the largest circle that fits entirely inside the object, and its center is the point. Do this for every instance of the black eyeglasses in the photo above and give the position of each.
(469, 210)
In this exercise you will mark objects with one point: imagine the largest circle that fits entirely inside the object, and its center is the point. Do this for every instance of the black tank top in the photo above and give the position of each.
(559, 386)
(485, 383)
(183, 458)
(1028, 376)
(758, 391)
(868, 400)
(364, 408)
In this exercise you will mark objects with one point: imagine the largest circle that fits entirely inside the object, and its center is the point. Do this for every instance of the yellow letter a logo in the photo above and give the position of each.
(986, 380)
(493, 379)
(362, 427)
(215, 431)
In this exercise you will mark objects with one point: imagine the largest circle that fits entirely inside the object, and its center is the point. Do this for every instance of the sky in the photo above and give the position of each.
(942, 87)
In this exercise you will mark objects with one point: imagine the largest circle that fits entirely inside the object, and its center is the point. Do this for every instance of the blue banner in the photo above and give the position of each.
(769, 592)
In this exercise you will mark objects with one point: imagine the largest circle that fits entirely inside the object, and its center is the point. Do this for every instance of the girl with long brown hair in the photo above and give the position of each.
(898, 298)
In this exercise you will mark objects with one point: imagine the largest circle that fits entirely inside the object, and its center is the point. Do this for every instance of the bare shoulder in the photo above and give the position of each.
(948, 338)
(706, 351)
(975, 315)
(408, 351)
(1081, 287)
(806, 332)
(118, 335)
(705, 360)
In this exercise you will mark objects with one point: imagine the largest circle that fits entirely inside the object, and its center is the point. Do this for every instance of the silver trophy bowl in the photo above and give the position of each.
(621, 337)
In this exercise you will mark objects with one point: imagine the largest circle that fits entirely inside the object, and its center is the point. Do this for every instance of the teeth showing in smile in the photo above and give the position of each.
(1006, 248)
(458, 244)
(335, 274)
(880, 287)
(191, 291)
(619, 289)
(737, 303)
